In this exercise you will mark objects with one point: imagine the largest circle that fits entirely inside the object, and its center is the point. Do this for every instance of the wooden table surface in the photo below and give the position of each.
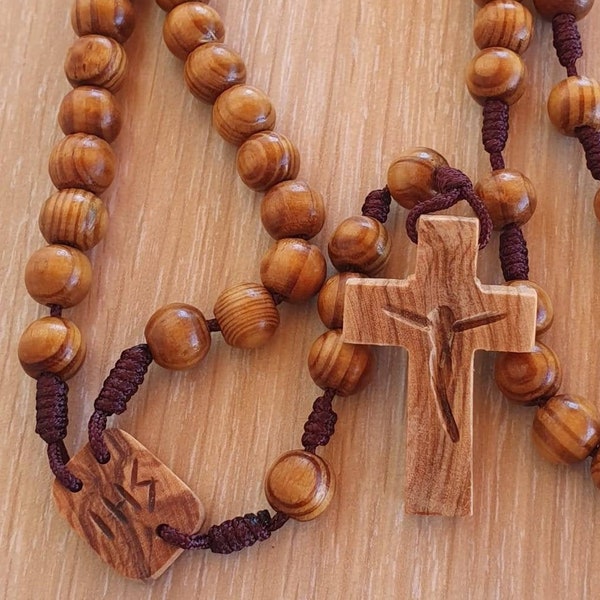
(354, 84)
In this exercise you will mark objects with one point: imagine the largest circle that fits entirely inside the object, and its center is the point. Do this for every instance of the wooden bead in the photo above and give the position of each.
(597, 205)
(113, 18)
(294, 269)
(90, 110)
(242, 111)
(73, 217)
(51, 344)
(178, 336)
(550, 8)
(96, 60)
(247, 315)
(300, 484)
(190, 25)
(498, 74)
(566, 429)
(360, 244)
(410, 179)
(575, 102)
(168, 5)
(509, 197)
(266, 159)
(330, 303)
(292, 209)
(344, 367)
(82, 161)
(545, 310)
(504, 23)
(211, 69)
(58, 275)
(528, 378)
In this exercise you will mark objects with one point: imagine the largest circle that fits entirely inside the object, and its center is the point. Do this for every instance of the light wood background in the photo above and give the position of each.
(354, 84)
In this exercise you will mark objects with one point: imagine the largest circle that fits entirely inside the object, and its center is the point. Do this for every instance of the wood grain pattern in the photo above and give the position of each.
(441, 315)
(123, 502)
(354, 84)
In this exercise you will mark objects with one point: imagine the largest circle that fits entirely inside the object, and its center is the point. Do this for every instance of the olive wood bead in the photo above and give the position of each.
(113, 18)
(293, 268)
(292, 209)
(190, 25)
(410, 179)
(360, 244)
(597, 205)
(51, 344)
(566, 429)
(168, 5)
(242, 111)
(90, 110)
(247, 315)
(550, 8)
(575, 102)
(96, 60)
(300, 484)
(497, 74)
(74, 217)
(545, 310)
(509, 197)
(266, 159)
(211, 69)
(346, 368)
(330, 302)
(58, 275)
(528, 378)
(82, 161)
(178, 336)
(504, 23)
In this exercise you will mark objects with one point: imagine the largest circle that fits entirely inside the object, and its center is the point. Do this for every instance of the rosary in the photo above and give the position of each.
(131, 509)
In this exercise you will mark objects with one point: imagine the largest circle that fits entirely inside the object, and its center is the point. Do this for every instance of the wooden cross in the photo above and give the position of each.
(441, 315)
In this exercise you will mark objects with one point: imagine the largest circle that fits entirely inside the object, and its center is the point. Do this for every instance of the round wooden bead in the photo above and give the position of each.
(242, 111)
(550, 8)
(300, 484)
(73, 217)
(504, 23)
(545, 310)
(211, 69)
(530, 377)
(168, 5)
(346, 368)
(292, 209)
(360, 244)
(597, 205)
(294, 269)
(266, 159)
(82, 161)
(90, 110)
(566, 429)
(575, 102)
(330, 303)
(247, 315)
(190, 25)
(497, 74)
(178, 336)
(410, 179)
(96, 60)
(509, 197)
(113, 18)
(51, 344)
(58, 275)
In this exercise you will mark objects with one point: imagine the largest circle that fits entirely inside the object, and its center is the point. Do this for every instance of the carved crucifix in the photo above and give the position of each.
(441, 315)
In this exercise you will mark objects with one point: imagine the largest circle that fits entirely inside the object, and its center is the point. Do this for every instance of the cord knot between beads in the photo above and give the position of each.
(448, 179)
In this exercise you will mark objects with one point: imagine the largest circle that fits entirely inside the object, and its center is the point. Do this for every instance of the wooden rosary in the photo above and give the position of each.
(132, 510)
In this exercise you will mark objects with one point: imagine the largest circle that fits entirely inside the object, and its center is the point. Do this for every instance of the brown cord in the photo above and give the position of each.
(514, 256)
(213, 325)
(453, 185)
(590, 140)
(230, 536)
(55, 310)
(494, 131)
(567, 41)
(118, 388)
(51, 405)
(377, 204)
(320, 425)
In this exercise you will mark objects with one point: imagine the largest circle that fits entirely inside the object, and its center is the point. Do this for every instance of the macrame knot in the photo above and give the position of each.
(320, 425)
(514, 257)
(377, 204)
(51, 408)
(453, 186)
(590, 140)
(567, 41)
